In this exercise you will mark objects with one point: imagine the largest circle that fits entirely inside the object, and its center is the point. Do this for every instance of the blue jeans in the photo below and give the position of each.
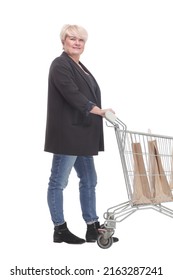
(60, 171)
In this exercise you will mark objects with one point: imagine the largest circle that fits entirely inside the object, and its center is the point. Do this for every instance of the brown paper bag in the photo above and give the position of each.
(159, 184)
(141, 189)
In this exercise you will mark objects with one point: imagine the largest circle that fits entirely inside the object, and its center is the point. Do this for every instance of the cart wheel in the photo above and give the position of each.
(104, 243)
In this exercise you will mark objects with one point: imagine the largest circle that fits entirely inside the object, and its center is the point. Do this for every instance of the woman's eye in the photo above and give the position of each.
(74, 39)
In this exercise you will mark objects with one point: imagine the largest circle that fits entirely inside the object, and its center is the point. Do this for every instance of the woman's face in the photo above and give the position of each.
(73, 46)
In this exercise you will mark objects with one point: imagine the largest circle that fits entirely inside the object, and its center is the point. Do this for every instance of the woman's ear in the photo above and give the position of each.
(62, 44)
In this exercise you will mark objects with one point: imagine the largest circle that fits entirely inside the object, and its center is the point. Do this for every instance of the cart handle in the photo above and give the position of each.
(112, 118)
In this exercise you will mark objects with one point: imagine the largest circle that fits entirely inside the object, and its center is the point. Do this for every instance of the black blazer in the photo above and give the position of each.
(69, 129)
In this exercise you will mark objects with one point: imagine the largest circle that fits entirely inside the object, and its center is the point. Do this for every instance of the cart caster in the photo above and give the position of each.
(104, 243)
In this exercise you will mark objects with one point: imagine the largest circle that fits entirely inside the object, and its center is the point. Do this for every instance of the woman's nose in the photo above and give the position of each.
(77, 41)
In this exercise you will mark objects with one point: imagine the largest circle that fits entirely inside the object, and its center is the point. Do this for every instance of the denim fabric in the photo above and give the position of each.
(60, 171)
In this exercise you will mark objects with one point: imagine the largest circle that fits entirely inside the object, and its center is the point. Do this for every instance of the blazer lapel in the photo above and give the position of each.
(84, 76)
(82, 73)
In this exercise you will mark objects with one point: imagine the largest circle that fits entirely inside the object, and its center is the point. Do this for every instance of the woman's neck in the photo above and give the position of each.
(75, 58)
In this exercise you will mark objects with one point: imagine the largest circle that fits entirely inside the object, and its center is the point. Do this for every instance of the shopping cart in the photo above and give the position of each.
(147, 162)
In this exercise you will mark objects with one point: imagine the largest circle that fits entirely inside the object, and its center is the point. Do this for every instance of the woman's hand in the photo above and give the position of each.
(101, 112)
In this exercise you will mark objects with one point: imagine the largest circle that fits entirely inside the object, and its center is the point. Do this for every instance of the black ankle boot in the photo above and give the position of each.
(62, 234)
(92, 232)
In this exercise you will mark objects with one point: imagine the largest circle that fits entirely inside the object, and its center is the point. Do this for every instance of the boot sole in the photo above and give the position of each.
(60, 241)
(57, 241)
(90, 240)
(69, 242)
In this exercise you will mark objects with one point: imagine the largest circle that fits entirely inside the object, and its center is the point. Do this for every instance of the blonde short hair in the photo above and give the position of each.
(73, 30)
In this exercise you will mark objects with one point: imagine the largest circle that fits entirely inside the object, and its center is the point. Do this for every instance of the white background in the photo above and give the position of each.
(129, 51)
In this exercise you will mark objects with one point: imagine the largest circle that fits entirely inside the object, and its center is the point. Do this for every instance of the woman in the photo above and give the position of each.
(74, 133)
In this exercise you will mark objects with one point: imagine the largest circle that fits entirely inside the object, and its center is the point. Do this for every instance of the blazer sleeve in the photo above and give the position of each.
(63, 78)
